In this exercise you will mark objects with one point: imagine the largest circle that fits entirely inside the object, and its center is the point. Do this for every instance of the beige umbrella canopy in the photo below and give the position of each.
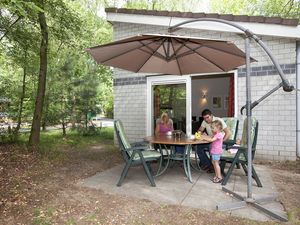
(169, 54)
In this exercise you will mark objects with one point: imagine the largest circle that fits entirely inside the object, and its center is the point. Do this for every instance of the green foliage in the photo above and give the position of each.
(97, 6)
(75, 84)
(282, 8)
(53, 145)
(170, 5)
(88, 131)
(7, 135)
(43, 217)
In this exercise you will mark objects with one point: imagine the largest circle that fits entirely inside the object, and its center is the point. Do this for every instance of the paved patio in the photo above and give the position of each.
(173, 188)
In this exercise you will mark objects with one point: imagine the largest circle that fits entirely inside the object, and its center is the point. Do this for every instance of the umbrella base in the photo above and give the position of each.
(244, 202)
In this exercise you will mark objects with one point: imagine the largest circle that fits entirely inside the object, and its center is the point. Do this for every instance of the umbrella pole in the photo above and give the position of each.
(286, 87)
(249, 119)
(249, 200)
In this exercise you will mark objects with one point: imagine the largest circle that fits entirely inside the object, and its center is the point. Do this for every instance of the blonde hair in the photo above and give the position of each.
(164, 117)
(218, 124)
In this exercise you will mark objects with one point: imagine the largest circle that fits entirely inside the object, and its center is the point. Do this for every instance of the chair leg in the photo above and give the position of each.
(256, 178)
(124, 172)
(229, 172)
(148, 173)
(150, 168)
(254, 175)
(245, 169)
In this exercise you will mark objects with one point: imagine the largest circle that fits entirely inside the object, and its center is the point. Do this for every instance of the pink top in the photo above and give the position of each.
(216, 146)
(164, 128)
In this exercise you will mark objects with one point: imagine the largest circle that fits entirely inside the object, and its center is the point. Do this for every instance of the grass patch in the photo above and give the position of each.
(53, 144)
(42, 218)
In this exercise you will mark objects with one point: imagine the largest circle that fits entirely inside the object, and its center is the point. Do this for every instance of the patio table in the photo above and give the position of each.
(173, 141)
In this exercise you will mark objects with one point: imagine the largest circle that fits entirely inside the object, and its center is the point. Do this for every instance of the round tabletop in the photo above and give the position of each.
(171, 140)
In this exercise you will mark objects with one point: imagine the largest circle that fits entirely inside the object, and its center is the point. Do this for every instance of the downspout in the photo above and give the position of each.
(298, 98)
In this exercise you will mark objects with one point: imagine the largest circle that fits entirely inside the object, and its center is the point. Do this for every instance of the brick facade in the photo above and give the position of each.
(276, 115)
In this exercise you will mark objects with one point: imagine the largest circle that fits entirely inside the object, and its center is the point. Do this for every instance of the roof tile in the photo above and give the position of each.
(238, 18)
(256, 19)
(274, 20)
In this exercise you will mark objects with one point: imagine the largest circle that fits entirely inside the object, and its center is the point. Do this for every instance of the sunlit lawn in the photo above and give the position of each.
(53, 144)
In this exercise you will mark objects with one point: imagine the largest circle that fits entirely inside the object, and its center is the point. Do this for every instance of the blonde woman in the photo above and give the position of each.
(164, 125)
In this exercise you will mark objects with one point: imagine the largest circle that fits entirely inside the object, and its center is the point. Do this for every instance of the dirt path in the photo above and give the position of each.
(34, 191)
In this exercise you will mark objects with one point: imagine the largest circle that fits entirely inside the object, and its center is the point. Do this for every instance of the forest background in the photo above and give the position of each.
(47, 78)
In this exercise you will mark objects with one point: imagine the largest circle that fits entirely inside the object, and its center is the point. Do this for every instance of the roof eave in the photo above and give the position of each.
(275, 30)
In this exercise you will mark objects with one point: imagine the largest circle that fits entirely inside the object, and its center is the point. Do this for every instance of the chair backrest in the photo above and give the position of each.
(254, 134)
(232, 124)
(121, 136)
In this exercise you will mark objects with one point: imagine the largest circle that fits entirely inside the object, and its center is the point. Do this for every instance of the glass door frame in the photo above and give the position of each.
(187, 80)
(164, 80)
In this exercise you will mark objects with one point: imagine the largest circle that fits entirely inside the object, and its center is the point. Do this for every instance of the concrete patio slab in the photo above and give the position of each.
(173, 188)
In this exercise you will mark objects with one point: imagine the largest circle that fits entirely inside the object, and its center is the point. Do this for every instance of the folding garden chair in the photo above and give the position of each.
(241, 155)
(232, 124)
(137, 155)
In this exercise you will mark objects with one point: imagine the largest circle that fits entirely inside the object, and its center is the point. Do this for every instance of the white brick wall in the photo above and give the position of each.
(130, 107)
(276, 114)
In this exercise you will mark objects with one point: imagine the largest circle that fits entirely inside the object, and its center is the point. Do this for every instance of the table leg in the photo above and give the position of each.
(186, 162)
(168, 160)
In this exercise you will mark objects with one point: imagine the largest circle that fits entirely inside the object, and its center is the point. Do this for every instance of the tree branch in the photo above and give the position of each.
(8, 29)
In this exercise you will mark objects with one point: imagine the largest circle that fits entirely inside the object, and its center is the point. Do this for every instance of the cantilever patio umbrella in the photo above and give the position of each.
(169, 54)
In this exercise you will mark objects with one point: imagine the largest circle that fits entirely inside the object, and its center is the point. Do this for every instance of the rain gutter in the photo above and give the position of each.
(298, 98)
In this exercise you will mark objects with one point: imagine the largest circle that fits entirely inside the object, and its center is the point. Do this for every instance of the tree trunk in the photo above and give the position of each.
(34, 138)
(44, 125)
(45, 112)
(63, 107)
(64, 127)
(73, 113)
(22, 94)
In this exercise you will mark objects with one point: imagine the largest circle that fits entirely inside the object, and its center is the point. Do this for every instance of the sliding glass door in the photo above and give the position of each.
(170, 98)
(169, 94)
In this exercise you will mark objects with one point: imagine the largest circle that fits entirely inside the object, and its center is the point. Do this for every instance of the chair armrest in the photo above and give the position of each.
(237, 147)
(228, 143)
(140, 143)
(138, 148)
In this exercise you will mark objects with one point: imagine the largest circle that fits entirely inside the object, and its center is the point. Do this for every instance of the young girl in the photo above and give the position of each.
(216, 149)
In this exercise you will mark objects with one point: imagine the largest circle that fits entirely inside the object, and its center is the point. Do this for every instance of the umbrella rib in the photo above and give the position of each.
(122, 42)
(148, 59)
(232, 53)
(175, 52)
(205, 58)
(158, 55)
(177, 60)
(188, 52)
(145, 45)
(167, 51)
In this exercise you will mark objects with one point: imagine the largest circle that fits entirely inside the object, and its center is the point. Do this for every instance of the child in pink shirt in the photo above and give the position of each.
(216, 149)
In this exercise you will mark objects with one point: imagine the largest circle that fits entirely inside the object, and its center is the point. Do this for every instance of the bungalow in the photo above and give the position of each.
(140, 98)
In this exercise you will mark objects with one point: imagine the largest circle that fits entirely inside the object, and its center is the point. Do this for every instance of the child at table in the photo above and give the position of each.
(216, 149)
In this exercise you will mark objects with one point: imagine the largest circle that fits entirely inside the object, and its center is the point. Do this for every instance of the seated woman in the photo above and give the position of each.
(164, 125)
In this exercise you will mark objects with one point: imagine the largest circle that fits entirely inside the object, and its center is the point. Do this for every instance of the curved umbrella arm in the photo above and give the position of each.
(255, 103)
(285, 83)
